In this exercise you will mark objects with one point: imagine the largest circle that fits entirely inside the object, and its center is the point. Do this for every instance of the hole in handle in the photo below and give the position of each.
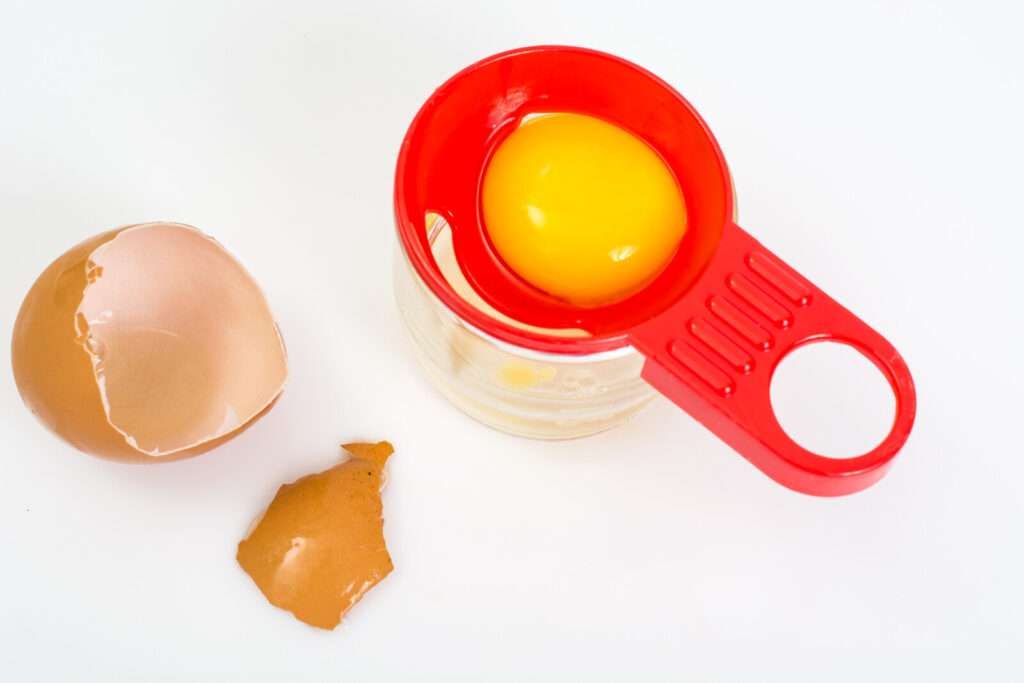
(832, 400)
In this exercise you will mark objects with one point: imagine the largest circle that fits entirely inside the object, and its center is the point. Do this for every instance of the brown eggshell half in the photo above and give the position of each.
(148, 343)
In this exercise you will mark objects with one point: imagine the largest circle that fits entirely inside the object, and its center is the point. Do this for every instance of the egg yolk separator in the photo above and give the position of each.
(713, 325)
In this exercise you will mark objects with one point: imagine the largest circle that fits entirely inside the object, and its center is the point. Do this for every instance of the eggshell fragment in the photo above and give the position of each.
(148, 343)
(320, 544)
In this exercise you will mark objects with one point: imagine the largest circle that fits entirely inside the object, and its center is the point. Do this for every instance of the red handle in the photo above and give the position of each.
(714, 352)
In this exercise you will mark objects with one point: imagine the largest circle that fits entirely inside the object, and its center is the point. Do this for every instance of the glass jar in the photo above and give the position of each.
(514, 389)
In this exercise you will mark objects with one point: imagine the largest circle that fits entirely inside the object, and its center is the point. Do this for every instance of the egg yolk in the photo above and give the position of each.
(581, 209)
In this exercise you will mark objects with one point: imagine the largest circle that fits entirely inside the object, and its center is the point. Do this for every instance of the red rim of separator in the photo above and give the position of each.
(422, 259)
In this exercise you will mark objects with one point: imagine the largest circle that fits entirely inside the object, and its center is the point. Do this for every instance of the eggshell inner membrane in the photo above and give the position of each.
(182, 340)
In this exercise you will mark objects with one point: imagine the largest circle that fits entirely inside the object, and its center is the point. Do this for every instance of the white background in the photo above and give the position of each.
(877, 147)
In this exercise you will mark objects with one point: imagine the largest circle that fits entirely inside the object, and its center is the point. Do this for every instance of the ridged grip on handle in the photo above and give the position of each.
(715, 351)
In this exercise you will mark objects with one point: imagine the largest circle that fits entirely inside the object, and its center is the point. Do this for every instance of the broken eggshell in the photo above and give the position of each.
(148, 343)
(319, 546)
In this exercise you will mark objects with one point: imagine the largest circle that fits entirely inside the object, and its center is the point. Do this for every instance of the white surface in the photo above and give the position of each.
(878, 148)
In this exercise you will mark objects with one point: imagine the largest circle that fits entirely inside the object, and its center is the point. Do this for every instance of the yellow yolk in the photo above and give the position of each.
(581, 209)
